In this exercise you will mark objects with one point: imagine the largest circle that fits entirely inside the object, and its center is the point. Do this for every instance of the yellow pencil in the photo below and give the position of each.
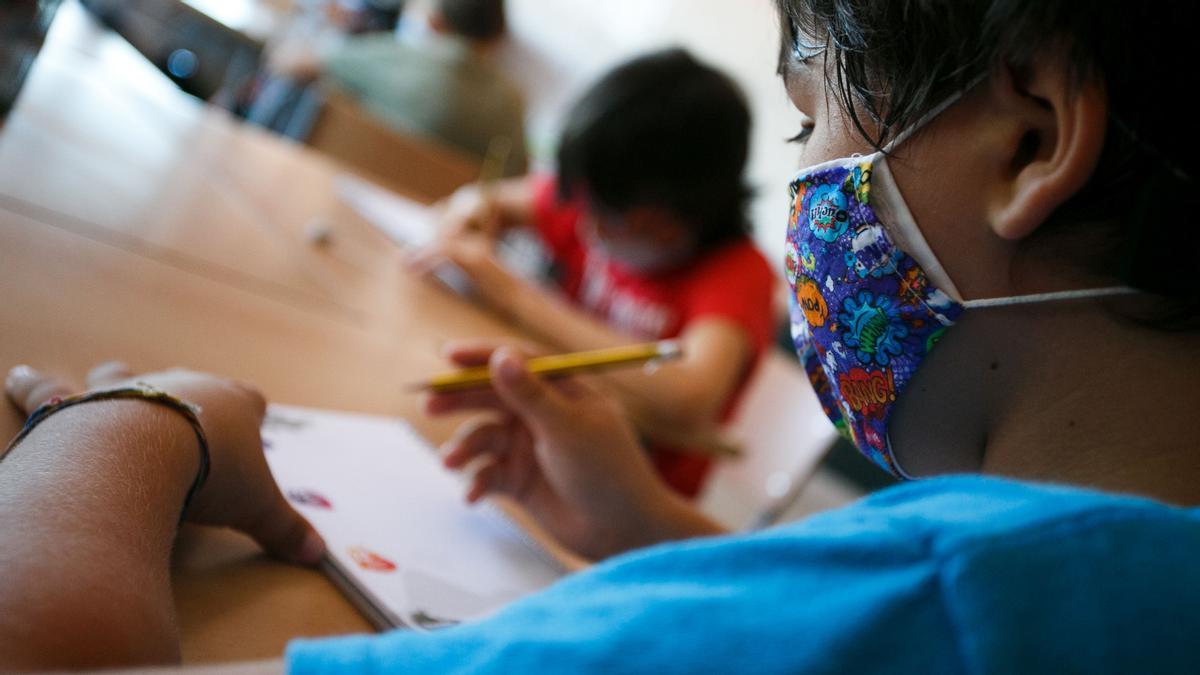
(559, 365)
(447, 272)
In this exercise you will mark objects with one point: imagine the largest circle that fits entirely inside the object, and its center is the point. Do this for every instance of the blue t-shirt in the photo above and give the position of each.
(950, 575)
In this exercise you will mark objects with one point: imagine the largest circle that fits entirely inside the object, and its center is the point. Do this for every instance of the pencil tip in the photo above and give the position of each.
(669, 349)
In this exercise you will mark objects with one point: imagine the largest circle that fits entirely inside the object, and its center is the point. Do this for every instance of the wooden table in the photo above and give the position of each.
(136, 223)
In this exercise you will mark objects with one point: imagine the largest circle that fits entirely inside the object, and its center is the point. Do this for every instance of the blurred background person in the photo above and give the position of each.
(435, 77)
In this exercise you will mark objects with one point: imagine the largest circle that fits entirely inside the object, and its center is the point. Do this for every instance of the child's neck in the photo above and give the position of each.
(1110, 405)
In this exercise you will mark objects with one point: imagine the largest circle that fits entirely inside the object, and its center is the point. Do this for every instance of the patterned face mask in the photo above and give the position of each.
(869, 298)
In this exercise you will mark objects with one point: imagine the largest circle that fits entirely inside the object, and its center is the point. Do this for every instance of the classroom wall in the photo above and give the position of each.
(561, 45)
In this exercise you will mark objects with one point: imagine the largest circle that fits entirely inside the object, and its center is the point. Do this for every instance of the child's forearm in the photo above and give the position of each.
(676, 397)
(672, 518)
(552, 319)
(91, 501)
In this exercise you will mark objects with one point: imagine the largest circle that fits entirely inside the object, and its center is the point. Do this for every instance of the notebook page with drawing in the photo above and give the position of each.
(402, 543)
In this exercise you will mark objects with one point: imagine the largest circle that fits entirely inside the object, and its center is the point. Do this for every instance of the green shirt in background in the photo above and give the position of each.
(439, 87)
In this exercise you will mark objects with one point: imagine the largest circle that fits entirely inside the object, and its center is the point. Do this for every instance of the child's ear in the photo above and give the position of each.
(1054, 132)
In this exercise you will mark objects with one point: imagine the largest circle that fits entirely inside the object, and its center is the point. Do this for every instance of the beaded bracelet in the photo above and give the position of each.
(138, 391)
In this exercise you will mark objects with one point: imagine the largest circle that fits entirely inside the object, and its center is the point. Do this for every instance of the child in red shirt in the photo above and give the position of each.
(646, 231)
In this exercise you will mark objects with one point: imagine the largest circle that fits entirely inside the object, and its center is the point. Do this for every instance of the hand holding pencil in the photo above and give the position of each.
(564, 451)
(477, 378)
(477, 208)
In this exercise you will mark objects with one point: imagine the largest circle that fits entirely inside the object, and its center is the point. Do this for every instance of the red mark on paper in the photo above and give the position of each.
(309, 498)
(370, 561)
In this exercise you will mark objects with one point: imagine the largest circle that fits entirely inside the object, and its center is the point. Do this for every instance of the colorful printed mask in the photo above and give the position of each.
(864, 313)
(869, 298)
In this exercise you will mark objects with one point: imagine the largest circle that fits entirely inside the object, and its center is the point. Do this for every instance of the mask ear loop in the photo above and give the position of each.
(911, 238)
(1078, 294)
(1054, 296)
(929, 116)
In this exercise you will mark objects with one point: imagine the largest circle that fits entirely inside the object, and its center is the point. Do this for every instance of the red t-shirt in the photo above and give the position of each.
(733, 282)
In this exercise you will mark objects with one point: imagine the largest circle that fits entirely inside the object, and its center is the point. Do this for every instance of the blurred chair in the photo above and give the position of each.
(784, 435)
(429, 170)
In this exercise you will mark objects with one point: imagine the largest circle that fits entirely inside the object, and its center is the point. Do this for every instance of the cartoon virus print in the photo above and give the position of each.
(860, 182)
(873, 327)
(791, 261)
(808, 261)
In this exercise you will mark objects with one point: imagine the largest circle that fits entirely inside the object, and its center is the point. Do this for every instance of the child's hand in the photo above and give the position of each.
(492, 284)
(564, 451)
(240, 492)
(470, 211)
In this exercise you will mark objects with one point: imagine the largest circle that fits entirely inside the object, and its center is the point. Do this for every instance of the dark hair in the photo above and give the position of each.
(662, 130)
(479, 20)
(893, 61)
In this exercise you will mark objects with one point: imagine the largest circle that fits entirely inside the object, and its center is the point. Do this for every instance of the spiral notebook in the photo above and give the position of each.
(402, 544)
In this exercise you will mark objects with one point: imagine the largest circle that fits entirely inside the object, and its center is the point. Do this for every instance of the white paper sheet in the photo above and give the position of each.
(408, 223)
(398, 531)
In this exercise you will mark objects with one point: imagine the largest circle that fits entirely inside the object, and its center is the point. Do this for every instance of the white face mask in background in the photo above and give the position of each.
(634, 254)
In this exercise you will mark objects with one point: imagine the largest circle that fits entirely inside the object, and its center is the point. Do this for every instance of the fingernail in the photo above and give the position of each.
(509, 369)
(313, 548)
(18, 373)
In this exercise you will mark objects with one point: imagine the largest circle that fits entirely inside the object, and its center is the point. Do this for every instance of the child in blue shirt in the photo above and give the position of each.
(1007, 290)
